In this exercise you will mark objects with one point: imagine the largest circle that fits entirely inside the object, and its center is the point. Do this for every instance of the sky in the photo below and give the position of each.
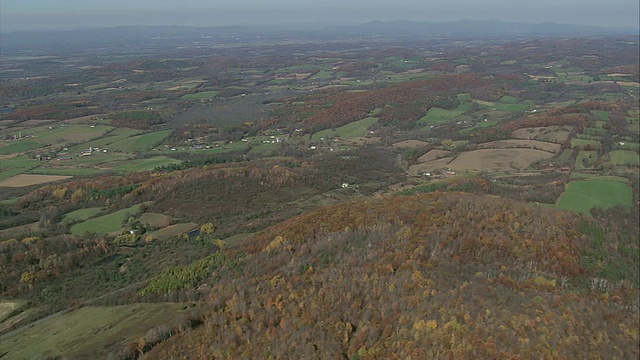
(72, 14)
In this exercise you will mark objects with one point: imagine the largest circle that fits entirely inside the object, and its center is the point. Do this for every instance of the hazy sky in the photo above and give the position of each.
(65, 14)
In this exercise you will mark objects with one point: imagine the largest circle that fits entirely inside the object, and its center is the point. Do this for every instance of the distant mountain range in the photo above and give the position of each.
(463, 28)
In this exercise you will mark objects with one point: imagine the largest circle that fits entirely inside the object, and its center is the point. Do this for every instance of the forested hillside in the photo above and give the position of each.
(427, 276)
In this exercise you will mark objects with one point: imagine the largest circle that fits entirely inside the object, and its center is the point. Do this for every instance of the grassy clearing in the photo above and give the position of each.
(19, 147)
(478, 127)
(351, 130)
(584, 176)
(627, 146)
(72, 133)
(173, 230)
(140, 143)
(23, 180)
(566, 155)
(511, 104)
(6, 174)
(7, 307)
(19, 231)
(585, 159)
(624, 157)
(142, 164)
(436, 116)
(201, 95)
(18, 162)
(104, 142)
(582, 196)
(603, 115)
(89, 332)
(594, 131)
(585, 143)
(80, 171)
(111, 223)
(81, 215)
(153, 219)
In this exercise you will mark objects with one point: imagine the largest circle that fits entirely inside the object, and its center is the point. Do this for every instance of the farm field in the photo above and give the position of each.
(351, 130)
(140, 143)
(585, 144)
(66, 171)
(18, 146)
(7, 307)
(173, 230)
(497, 159)
(430, 166)
(127, 166)
(155, 220)
(582, 196)
(555, 134)
(586, 160)
(18, 231)
(24, 180)
(201, 95)
(624, 158)
(116, 135)
(515, 143)
(81, 215)
(437, 116)
(107, 224)
(87, 332)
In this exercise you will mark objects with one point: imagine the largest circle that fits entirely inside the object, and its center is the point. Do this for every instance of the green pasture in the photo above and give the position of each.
(71, 133)
(116, 135)
(16, 165)
(602, 115)
(376, 112)
(8, 307)
(19, 162)
(153, 219)
(350, 130)
(173, 230)
(512, 104)
(585, 176)
(585, 160)
(583, 143)
(148, 164)
(88, 332)
(201, 95)
(585, 136)
(140, 143)
(93, 160)
(322, 75)
(110, 223)
(594, 131)
(264, 148)
(300, 68)
(19, 146)
(624, 157)
(582, 196)
(81, 215)
(565, 155)
(479, 126)
(66, 171)
(635, 127)
(600, 124)
(437, 116)
(5, 174)
(625, 145)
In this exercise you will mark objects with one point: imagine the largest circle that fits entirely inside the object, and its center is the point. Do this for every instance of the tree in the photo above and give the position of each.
(207, 228)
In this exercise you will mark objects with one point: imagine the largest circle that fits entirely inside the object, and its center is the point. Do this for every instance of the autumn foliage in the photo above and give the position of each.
(428, 276)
